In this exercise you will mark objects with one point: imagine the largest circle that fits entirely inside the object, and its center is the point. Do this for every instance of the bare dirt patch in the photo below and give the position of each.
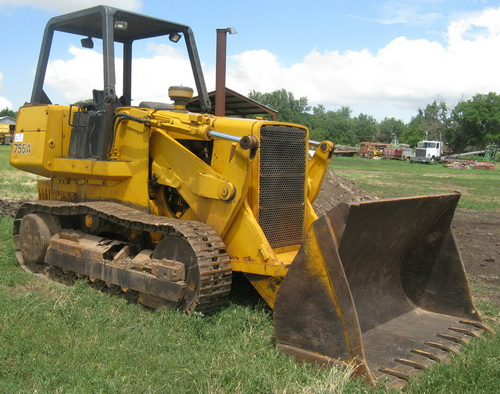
(478, 237)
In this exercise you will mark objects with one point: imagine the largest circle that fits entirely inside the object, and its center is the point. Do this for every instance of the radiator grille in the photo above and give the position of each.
(420, 152)
(282, 180)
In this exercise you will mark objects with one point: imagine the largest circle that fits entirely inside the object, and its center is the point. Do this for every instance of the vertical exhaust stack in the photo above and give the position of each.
(220, 70)
(378, 284)
(220, 74)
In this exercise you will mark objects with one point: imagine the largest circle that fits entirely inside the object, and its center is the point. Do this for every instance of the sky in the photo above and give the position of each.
(380, 58)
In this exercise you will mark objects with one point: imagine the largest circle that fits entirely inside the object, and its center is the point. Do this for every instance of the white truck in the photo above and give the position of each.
(428, 152)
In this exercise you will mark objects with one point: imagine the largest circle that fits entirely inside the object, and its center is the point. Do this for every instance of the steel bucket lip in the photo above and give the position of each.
(337, 323)
(404, 198)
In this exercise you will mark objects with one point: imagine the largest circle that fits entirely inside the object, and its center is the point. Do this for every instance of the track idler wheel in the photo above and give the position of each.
(179, 249)
(35, 233)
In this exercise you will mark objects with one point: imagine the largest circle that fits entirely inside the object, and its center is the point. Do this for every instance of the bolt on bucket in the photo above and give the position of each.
(381, 285)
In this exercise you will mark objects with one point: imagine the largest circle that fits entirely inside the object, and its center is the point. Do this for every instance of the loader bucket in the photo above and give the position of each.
(379, 285)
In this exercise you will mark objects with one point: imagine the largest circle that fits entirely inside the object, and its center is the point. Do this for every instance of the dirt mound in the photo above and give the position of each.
(335, 190)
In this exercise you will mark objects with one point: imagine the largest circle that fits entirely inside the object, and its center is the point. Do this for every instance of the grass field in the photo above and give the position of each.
(391, 178)
(74, 339)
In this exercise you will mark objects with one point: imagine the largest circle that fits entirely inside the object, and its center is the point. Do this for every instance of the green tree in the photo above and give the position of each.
(8, 112)
(390, 128)
(475, 122)
(431, 123)
(336, 126)
(289, 108)
(364, 127)
(412, 135)
(318, 125)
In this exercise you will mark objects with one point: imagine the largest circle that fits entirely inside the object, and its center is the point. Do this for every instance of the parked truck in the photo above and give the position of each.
(428, 152)
(398, 152)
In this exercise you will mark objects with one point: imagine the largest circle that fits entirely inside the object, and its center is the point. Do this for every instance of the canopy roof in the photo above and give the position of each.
(236, 105)
(89, 22)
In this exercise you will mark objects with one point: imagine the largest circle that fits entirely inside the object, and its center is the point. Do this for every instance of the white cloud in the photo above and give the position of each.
(158, 73)
(396, 80)
(4, 103)
(409, 12)
(73, 5)
(395, 12)
(72, 80)
(403, 75)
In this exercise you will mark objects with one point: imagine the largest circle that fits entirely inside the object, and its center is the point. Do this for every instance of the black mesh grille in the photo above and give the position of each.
(282, 177)
(420, 152)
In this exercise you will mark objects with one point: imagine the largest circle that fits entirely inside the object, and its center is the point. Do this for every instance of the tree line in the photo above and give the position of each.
(470, 124)
(8, 112)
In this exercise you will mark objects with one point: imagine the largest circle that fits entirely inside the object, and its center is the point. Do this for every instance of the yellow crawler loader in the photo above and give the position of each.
(162, 205)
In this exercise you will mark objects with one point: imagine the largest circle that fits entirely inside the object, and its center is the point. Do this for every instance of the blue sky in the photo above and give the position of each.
(381, 58)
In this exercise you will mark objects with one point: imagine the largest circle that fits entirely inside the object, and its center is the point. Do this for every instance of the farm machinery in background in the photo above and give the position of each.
(379, 150)
(369, 150)
(400, 152)
(6, 131)
(397, 151)
(492, 153)
(163, 205)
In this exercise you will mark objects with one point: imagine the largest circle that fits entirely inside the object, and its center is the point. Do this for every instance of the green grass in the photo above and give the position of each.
(15, 183)
(390, 178)
(56, 338)
(476, 370)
